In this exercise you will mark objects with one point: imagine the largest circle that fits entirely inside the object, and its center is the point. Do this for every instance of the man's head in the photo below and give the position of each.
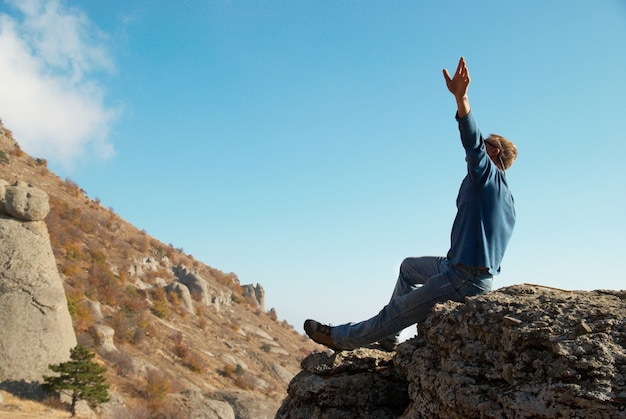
(501, 151)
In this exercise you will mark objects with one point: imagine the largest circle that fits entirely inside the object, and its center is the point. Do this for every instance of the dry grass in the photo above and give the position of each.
(14, 407)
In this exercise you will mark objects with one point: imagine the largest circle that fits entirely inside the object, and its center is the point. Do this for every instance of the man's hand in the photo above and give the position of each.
(457, 85)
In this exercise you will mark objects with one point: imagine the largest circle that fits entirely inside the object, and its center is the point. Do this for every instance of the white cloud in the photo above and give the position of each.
(50, 57)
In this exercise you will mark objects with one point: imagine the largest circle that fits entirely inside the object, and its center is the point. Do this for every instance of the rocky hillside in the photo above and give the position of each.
(177, 336)
(519, 352)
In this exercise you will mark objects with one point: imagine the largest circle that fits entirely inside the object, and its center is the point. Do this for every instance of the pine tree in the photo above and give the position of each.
(80, 377)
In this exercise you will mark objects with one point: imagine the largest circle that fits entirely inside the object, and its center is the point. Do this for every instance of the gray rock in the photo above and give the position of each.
(36, 325)
(257, 293)
(248, 405)
(194, 282)
(25, 202)
(541, 366)
(362, 383)
(3, 185)
(223, 404)
(95, 311)
(193, 404)
(282, 373)
(519, 352)
(183, 293)
(103, 338)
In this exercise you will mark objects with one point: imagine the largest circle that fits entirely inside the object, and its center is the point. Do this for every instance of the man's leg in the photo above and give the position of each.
(409, 308)
(414, 272)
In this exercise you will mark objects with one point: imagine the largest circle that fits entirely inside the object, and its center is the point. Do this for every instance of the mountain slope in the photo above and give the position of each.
(210, 338)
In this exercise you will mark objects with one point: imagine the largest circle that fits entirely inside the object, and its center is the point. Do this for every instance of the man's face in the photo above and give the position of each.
(492, 149)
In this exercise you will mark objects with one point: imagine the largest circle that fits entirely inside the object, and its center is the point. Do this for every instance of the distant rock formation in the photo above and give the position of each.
(519, 352)
(36, 325)
(257, 293)
(182, 292)
(196, 284)
(198, 288)
(103, 339)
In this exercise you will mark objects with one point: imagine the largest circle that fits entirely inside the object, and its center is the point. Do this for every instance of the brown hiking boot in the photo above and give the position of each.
(320, 333)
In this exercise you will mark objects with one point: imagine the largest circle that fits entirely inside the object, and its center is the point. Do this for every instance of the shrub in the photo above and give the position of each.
(104, 285)
(123, 363)
(180, 349)
(73, 251)
(245, 381)
(18, 151)
(239, 369)
(82, 317)
(236, 298)
(194, 363)
(72, 187)
(122, 325)
(98, 257)
(157, 386)
(70, 269)
(228, 370)
(73, 298)
(161, 309)
(134, 300)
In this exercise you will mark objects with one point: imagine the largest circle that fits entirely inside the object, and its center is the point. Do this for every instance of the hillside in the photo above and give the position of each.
(214, 345)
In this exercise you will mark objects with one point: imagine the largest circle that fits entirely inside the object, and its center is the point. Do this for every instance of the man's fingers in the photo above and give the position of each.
(446, 75)
(461, 65)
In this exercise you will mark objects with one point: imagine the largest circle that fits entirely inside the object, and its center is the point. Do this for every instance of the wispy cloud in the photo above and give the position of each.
(50, 97)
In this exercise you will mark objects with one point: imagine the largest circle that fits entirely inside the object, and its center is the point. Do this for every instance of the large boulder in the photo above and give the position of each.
(182, 292)
(36, 325)
(197, 285)
(520, 352)
(353, 384)
(25, 202)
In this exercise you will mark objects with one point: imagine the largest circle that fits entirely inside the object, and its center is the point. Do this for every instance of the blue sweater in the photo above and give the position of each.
(485, 209)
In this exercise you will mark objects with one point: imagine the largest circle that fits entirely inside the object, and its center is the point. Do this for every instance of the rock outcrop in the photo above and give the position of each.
(36, 325)
(257, 294)
(363, 383)
(196, 284)
(224, 404)
(519, 352)
(182, 292)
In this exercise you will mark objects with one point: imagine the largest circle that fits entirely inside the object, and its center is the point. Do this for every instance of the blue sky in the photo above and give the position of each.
(311, 145)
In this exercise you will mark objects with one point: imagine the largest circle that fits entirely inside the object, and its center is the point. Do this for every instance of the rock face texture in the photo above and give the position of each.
(36, 325)
(363, 383)
(519, 352)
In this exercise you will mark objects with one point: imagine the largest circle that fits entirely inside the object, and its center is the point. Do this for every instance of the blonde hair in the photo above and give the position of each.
(508, 151)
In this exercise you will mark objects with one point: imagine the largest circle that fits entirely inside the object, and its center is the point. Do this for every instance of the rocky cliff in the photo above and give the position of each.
(519, 352)
(36, 325)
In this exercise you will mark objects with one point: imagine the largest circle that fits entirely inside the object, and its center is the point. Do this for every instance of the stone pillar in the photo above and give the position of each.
(36, 324)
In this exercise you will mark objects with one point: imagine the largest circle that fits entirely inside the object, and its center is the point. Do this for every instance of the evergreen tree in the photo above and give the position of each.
(80, 377)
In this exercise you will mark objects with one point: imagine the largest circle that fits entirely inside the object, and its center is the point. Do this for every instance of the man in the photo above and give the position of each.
(480, 234)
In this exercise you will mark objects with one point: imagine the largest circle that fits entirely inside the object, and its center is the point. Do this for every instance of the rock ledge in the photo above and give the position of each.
(518, 352)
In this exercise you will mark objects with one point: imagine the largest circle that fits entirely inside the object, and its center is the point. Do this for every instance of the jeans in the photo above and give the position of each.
(422, 283)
